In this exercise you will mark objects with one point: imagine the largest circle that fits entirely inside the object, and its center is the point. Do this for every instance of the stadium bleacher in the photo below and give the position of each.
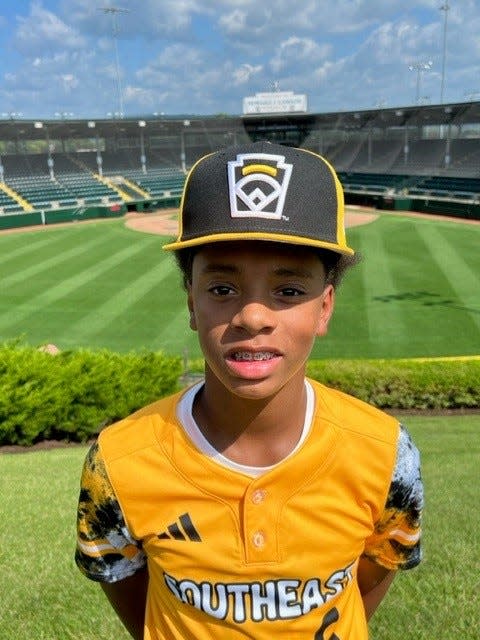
(373, 182)
(158, 182)
(88, 189)
(447, 187)
(41, 192)
(8, 204)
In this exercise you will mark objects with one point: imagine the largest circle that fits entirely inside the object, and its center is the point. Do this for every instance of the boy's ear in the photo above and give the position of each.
(193, 324)
(328, 303)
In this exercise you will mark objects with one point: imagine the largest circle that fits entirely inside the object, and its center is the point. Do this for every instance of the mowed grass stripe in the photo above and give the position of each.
(147, 319)
(385, 325)
(52, 263)
(442, 247)
(176, 336)
(65, 286)
(18, 250)
(348, 327)
(124, 300)
(28, 246)
(423, 294)
(436, 323)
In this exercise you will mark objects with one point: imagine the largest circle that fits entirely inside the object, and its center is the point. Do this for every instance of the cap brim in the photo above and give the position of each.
(267, 237)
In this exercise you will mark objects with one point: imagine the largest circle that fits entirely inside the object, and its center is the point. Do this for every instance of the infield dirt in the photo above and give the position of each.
(166, 222)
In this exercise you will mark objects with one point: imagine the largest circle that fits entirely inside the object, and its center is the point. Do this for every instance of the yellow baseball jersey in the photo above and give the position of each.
(235, 555)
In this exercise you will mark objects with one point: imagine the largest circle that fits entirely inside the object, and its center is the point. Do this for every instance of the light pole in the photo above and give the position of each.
(445, 7)
(114, 11)
(419, 67)
(143, 159)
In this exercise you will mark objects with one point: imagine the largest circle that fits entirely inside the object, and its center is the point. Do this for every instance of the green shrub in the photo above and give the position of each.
(70, 396)
(404, 384)
(399, 384)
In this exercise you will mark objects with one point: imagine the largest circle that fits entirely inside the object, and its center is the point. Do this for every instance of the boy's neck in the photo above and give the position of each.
(257, 433)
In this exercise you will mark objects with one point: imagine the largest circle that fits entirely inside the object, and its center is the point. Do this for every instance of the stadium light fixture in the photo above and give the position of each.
(12, 115)
(472, 95)
(114, 11)
(420, 67)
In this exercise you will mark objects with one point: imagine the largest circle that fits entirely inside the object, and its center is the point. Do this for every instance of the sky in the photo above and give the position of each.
(80, 59)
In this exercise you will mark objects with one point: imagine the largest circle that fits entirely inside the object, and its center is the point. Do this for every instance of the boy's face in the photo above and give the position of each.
(257, 307)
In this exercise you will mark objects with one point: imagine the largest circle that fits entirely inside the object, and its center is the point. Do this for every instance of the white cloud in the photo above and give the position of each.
(246, 25)
(43, 31)
(165, 18)
(298, 52)
(69, 81)
(173, 59)
(245, 73)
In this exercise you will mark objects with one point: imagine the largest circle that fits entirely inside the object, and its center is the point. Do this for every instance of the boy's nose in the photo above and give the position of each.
(254, 316)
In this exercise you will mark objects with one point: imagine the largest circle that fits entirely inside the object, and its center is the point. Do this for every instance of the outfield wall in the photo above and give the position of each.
(440, 206)
(56, 216)
(80, 213)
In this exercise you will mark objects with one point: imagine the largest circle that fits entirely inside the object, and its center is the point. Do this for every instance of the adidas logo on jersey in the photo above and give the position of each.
(183, 529)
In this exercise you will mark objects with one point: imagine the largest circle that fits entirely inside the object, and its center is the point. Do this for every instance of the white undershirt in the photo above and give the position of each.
(185, 415)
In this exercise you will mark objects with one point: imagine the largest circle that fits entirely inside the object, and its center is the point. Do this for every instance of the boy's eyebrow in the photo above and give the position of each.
(297, 272)
(216, 267)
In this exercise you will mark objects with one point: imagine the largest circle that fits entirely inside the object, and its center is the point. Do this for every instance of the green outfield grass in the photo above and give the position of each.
(44, 597)
(416, 292)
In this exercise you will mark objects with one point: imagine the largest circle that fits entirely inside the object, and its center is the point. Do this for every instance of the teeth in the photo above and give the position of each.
(248, 356)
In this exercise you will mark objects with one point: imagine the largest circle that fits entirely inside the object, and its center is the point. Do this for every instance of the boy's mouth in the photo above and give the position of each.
(250, 356)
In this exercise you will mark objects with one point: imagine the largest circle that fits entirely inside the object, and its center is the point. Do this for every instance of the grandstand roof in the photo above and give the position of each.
(18, 128)
(398, 116)
(21, 129)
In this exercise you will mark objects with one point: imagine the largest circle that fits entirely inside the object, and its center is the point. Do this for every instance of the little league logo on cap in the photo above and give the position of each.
(258, 185)
(262, 191)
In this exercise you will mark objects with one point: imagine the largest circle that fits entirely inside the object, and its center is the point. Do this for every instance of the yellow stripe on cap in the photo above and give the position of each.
(184, 192)
(222, 236)
(259, 168)
(341, 236)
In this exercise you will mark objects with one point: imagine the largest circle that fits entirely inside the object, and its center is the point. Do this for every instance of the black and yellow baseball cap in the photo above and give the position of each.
(262, 191)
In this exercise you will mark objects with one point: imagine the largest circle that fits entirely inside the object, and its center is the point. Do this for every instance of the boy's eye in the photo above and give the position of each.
(291, 291)
(221, 290)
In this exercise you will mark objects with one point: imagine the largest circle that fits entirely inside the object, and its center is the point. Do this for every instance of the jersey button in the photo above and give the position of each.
(258, 539)
(258, 496)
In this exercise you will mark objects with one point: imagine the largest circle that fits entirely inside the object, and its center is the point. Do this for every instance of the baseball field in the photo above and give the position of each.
(414, 294)
(104, 284)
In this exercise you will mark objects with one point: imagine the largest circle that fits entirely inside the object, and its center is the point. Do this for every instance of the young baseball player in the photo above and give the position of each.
(257, 503)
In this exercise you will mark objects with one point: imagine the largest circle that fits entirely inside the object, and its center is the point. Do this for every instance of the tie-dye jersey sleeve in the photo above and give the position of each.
(395, 542)
(106, 551)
